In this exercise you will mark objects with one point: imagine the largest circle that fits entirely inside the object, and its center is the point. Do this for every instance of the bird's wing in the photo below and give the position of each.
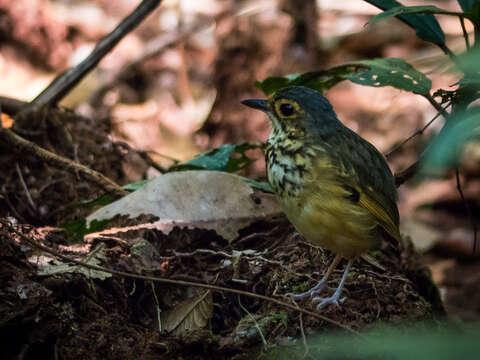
(383, 209)
(361, 167)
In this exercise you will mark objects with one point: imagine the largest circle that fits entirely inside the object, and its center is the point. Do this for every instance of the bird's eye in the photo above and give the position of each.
(287, 109)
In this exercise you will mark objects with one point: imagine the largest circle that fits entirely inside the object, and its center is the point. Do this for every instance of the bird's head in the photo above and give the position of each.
(298, 111)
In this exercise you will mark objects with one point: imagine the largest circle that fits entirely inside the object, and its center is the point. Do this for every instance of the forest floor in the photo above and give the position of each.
(47, 306)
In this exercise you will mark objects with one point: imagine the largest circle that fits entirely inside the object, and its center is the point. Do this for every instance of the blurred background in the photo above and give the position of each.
(173, 88)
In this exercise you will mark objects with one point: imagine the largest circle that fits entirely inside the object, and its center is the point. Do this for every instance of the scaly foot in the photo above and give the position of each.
(317, 289)
(335, 298)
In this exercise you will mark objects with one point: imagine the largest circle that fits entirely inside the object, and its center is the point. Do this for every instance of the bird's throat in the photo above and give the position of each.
(287, 161)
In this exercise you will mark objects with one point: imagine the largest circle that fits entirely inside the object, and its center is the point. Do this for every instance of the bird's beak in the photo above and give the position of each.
(257, 104)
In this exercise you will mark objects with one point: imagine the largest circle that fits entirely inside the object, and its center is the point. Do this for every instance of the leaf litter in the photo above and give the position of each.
(85, 316)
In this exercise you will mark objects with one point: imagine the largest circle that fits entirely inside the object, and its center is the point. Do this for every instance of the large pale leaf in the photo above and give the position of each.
(425, 26)
(195, 199)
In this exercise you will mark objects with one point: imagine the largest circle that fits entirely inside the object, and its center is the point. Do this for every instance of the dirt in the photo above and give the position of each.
(77, 317)
(39, 194)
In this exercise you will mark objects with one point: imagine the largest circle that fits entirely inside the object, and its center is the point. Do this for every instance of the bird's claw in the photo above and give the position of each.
(317, 289)
(327, 301)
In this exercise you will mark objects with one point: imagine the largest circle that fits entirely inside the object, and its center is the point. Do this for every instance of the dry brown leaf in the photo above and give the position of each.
(189, 315)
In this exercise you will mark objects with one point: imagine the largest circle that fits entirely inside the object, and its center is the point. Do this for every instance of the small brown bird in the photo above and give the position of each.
(334, 186)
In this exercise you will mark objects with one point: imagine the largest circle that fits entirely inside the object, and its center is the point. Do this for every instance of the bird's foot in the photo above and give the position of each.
(334, 299)
(317, 289)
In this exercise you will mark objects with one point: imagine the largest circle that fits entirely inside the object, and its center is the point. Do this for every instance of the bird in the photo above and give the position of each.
(334, 186)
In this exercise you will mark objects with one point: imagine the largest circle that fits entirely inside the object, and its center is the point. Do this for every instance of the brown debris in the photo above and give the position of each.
(84, 318)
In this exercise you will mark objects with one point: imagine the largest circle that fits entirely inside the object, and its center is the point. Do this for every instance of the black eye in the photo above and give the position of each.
(287, 109)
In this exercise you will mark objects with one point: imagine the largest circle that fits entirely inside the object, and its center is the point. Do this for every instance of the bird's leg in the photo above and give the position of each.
(317, 289)
(334, 299)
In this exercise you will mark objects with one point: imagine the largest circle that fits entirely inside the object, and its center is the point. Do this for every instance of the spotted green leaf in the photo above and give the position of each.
(376, 72)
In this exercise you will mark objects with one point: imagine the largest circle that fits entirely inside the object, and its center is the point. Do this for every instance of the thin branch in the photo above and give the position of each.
(144, 155)
(416, 133)
(304, 338)
(467, 208)
(153, 48)
(448, 52)
(465, 33)
(20, 144)
(11, 106)
(27, 192)
(257, 326)
(174, 282)
(436, 105)
(71, 77)
(406, 174)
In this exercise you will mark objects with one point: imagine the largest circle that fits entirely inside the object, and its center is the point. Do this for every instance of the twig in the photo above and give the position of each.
(436, 105)
(257, 326)
(448, 52)
(11, 106)
(27, 192)
(175, 282)
(304, 338)
(406, 174)
(157, 45)
(416, 133)
(20, 144)
(71, 77)
(14, 211)
(144, 155)
(465, 33)
(152, 48)
(157, 306)
(467, 208)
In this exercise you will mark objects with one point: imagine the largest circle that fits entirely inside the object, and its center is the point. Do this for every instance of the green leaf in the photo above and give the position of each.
(271, 84)
(77, 229)
(468, 61)
(106, 199)
(135, 185)
(392, 72)
(425, 26)
(400, 10)
(318, 80)
(376, 72)
(227, 157)
(260, 185)
(467, 5)
(445, 149)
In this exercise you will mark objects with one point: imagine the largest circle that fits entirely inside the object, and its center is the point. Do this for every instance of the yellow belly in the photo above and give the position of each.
(327, 218)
